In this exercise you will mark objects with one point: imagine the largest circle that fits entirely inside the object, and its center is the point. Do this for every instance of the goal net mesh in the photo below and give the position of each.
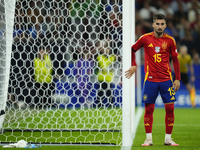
(65, 73)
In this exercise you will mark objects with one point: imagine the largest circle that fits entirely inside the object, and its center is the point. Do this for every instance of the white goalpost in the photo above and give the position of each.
(6, 27)
(128, 88)
(62, 72)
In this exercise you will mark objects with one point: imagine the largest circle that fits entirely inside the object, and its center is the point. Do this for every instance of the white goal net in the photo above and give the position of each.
(65, 75)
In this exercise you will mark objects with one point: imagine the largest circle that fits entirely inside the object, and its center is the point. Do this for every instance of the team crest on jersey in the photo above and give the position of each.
(164, 45)
(157, 49)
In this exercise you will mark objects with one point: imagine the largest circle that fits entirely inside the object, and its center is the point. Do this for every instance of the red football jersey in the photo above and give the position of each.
(157, 53)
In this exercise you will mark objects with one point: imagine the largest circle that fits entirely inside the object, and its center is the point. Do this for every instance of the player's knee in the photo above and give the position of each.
(149, 108)
(169, 108)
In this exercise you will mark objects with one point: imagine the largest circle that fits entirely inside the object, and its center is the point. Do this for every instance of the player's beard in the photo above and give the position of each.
(159, 32)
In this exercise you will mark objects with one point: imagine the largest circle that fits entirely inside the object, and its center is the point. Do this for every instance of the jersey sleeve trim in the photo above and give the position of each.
(170, 37)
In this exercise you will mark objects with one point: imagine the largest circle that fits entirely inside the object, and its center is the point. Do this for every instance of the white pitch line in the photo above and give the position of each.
(136, 122)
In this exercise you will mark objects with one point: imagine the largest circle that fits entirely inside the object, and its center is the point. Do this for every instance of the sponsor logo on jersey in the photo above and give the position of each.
(157, 49)
(171, 124)
(173, 98)
(146, 124)
(150, 45)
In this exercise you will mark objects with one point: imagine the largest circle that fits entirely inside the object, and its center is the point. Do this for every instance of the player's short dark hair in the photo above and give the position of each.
(159, 16)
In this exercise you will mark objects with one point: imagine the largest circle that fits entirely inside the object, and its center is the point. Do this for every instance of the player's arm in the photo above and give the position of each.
(176, 84)
(129, 73)
(174, 56)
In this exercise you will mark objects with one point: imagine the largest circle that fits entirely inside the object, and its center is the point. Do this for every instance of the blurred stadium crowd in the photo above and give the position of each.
(69, 34)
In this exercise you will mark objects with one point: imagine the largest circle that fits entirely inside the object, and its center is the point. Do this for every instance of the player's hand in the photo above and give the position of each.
(176, 85)
(129, 73)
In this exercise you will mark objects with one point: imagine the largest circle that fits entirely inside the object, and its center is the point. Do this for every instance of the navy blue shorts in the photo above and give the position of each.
(152, 89)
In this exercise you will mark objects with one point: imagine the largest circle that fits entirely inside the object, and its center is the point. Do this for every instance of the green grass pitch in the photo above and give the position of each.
(186, 132)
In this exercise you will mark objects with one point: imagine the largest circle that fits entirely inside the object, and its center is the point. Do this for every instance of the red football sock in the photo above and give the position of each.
(169, 118)
(148, 117)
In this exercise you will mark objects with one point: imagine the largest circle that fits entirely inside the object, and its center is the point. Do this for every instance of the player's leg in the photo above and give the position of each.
(150, 93)
(148, 122)
(169, 124)
(168, 96)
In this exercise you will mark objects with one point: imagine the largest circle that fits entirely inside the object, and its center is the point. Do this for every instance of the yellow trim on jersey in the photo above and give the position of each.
(170, 74)
(151, 33)
(168, 36)
(147, 73)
